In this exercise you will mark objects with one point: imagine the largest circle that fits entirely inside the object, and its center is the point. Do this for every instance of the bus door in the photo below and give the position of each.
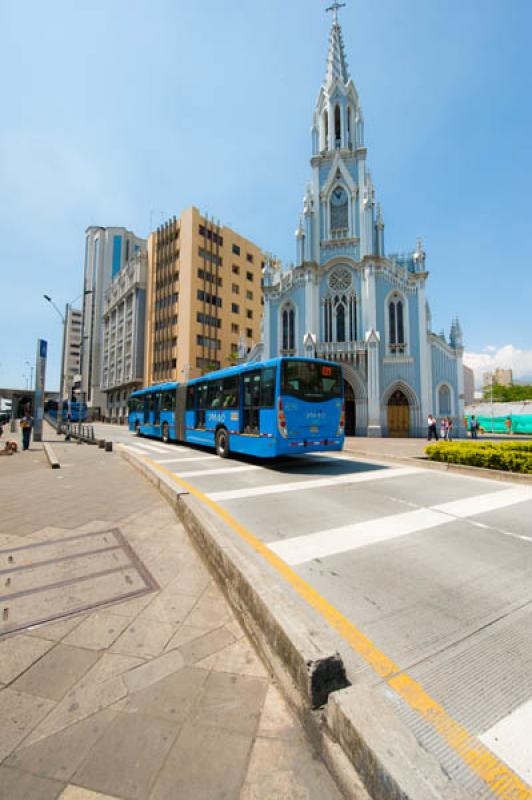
(181, 406)
(147, 407)
(157, 408)
(201, 405)
(251, 402)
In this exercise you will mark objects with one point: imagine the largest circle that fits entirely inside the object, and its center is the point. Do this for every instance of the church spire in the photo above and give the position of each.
(337, 68)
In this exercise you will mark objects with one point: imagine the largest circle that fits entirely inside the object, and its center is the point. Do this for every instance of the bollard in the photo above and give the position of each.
(101, 444)
(108, 447)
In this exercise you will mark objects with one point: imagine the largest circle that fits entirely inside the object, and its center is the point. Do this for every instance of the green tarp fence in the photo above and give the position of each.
(521, 423)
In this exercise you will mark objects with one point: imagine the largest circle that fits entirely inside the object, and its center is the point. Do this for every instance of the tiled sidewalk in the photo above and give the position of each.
(160, 697)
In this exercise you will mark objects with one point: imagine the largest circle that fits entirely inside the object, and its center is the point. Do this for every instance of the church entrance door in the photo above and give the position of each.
(398, 415)
(350, 409)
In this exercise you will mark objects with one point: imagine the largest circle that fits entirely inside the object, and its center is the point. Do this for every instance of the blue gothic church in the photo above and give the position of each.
(347, 299)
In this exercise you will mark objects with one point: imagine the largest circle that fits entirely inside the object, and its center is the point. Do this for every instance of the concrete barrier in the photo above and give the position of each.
(51, 456)
(359, 734)
(108, 447)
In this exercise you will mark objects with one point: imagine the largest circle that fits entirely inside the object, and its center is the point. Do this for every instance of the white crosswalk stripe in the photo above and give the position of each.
(300, 549)
(319, 483)
(511, 740)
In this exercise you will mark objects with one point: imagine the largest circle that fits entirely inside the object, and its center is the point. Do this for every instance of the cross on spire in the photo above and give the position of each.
(334, 8)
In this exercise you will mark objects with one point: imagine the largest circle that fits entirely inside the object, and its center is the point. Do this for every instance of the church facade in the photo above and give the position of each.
(349, 301)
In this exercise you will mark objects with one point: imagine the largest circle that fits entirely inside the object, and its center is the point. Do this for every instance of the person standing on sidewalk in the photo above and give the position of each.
(432, 430)
(473, 424)
(26, 426)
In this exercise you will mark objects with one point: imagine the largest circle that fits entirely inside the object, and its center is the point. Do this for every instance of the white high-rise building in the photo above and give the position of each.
(71, 351)
(107, 250)
(124, 320)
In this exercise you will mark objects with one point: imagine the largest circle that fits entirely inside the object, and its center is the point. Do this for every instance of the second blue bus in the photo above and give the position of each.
(283, 406)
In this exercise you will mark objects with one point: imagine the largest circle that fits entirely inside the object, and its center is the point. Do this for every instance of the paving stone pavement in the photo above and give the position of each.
(157, 697)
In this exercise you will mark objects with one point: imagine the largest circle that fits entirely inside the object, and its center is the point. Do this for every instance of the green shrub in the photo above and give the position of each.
(506, 456)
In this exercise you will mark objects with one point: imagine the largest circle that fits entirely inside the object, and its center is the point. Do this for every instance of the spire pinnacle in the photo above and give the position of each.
(336, 61)
(334, 8)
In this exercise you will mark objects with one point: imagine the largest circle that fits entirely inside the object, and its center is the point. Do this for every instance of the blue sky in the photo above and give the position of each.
(123, 112)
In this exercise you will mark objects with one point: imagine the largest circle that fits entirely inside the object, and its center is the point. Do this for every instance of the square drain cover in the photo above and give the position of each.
(46, 581)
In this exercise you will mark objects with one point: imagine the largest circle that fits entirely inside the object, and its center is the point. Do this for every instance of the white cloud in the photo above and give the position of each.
(507, 357)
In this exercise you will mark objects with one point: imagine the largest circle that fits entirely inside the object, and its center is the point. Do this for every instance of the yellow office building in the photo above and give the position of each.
(204, 298)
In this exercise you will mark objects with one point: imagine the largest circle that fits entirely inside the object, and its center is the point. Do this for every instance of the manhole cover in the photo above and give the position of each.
(49, 580)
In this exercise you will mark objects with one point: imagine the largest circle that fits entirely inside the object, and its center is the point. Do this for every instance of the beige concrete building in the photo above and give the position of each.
(204, 300)
(469, 385)
(501, 377)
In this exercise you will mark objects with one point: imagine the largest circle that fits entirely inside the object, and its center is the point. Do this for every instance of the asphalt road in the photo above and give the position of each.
(435, 568)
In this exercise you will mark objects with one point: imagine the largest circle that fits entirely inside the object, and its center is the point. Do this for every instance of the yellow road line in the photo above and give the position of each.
(503, 782)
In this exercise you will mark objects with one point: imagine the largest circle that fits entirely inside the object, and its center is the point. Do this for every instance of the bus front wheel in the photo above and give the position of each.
(222, 443)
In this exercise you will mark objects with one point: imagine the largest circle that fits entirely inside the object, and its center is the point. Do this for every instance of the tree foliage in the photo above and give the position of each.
(508, 394)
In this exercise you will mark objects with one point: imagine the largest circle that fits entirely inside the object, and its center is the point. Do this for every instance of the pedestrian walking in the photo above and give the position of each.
(449, 429)
(432, 429)
(508, 424)
(474, 426)
(443, 429)
(26, 426)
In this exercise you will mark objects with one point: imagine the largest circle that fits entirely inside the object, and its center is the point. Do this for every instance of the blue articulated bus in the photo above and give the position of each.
(71, 411)
(283, 406)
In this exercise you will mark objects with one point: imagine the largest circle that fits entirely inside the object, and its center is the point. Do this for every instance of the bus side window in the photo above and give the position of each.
(168, 401)
(267, 388)
(230, 393)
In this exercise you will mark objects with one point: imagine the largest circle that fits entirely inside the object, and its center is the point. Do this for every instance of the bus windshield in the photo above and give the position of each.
(311, 381)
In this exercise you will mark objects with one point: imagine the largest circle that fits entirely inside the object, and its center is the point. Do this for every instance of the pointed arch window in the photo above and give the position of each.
(339, 212)
(340, 308)
(337, 127)
(396, 326)
(444, 401)
(288, 321)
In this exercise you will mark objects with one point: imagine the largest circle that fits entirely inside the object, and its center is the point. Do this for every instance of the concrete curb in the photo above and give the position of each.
(462, 469)
(51, 456)
(368, 749)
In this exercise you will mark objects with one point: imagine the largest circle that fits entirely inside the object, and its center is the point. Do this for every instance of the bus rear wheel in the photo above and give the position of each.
(164, 431)
(222, 443)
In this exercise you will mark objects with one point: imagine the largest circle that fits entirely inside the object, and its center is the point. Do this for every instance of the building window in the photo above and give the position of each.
(235, 308)
(249, 295)
(235, 288)
(249, 258)
(236, 250)
(249, 333)
(208, 341)
(236, 270)
(249, 314)
(205, 297)
(396, 332)
(288, 318)
(207, 319)
(209, 277)
(235, 328)
(249, 276)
